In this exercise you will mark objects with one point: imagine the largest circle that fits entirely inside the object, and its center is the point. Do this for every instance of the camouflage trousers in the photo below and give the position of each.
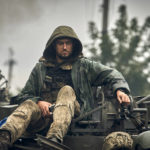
(28, 117)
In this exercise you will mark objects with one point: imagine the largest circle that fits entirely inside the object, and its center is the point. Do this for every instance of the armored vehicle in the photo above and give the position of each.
(88, 131)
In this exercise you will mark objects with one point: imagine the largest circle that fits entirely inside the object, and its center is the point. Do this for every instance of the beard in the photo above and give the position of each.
(64, 57)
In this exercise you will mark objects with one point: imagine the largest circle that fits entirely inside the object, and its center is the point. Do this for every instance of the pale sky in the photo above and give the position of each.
(26, 25)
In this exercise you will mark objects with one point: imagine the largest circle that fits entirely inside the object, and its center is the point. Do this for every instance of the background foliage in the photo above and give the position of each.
(127, 48)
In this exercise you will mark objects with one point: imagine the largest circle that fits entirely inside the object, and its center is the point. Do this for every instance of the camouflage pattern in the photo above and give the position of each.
(84, 73)
(116, 140)
(65, 108)
(27, 117)
(28, 113)
(54, 81)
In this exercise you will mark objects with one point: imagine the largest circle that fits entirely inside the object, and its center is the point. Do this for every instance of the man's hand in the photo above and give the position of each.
(44, 106)
(122, 97)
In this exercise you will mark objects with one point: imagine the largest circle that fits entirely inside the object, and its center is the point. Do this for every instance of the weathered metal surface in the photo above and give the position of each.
(85, 142)
(48, 144)
(6, 110)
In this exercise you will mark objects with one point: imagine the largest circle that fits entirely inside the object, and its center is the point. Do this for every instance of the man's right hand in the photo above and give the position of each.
(44, 106)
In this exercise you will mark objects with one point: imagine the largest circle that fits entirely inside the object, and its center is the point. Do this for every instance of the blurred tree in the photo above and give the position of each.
(127, 48)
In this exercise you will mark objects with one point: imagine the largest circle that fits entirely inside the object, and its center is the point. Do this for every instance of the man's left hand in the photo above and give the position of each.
(122, 97)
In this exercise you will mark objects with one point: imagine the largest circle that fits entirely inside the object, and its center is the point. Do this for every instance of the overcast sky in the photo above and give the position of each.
(26, 25)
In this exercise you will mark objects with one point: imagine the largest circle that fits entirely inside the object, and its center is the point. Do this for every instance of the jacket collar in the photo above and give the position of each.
(64, 66)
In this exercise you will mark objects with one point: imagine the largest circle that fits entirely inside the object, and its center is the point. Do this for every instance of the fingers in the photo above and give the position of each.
(45, 111)
(123, 98)
(44, 106)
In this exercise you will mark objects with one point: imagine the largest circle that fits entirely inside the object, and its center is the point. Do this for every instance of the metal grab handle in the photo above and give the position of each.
(143, 99)
(88, 113)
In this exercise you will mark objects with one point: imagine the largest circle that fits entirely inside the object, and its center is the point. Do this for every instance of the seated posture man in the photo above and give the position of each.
(62, 77)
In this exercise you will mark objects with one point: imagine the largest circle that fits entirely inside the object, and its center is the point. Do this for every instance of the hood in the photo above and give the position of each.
(62, 31)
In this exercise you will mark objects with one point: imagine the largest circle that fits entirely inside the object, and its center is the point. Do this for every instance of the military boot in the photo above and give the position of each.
(4, 140)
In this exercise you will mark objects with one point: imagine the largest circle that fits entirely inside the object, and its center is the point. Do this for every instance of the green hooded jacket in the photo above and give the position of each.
(85, 73)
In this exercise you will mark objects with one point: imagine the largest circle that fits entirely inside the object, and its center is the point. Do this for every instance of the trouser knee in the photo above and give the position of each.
(65, 94)
(66, 98)
(66, 89)
(28, 102)
(28, 109)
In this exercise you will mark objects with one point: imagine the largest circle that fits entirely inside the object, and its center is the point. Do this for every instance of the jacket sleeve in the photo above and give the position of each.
(101, 75)
(32, 87)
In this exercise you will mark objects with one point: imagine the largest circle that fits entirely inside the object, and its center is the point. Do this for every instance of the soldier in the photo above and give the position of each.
(62, 77)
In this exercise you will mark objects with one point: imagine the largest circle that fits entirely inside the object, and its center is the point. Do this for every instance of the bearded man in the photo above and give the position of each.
(62, 77)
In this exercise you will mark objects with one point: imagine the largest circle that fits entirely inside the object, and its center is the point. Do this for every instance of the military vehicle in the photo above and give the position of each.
(88, 131)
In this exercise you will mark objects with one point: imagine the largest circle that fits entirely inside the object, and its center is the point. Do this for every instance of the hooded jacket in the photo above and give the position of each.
(84, 73)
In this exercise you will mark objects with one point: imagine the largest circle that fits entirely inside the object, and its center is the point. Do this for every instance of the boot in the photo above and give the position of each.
(55, 140)
(4, 140)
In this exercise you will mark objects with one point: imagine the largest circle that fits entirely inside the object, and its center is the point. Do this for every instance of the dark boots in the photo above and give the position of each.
(55, 140)
(4, 140)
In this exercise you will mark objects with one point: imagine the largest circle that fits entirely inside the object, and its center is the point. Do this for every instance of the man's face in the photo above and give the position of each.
(64, 48)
